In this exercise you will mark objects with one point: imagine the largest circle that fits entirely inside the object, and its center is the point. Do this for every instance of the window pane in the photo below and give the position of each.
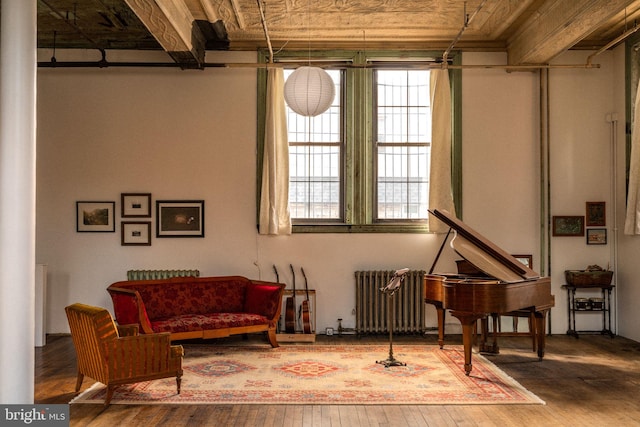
(403, 144)
(314, 173)
(315, 159)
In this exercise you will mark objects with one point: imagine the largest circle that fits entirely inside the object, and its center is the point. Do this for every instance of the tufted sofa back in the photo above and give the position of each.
(172, 297)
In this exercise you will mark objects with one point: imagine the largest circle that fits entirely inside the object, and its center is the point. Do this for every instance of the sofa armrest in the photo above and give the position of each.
(129, 308)
(265, 299)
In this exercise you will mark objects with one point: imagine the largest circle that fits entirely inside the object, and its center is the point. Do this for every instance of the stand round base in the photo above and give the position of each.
(391, 361)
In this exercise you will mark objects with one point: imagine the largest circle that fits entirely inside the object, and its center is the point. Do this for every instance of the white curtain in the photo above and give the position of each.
(274, 199)
(632, 221)
(440, 188)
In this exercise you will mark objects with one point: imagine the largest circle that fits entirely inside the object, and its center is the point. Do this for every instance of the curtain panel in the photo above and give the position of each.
(440, 186)
(275, 217)
(632, 220)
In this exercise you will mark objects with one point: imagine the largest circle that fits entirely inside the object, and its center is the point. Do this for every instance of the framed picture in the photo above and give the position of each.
(527, 260)
(596, 236)
(180, 218)
(136, 233)
(596, 214)
(95, 217)
(136, 205)
(568, 226)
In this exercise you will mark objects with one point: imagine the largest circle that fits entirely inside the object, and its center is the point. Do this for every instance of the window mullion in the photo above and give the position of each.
(362, 158)
(349, 137)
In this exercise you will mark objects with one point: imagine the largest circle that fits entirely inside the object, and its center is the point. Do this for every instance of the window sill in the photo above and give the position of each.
(365, 228)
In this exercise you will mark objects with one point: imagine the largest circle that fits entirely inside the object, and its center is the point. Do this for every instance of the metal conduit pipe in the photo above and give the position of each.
(292, 64)
(545, 178)
(266, 31)
(467, 21)
(612, 43)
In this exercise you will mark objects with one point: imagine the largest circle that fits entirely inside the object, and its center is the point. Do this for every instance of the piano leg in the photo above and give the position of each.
(441, 321)
(541, 331)
(468, 322)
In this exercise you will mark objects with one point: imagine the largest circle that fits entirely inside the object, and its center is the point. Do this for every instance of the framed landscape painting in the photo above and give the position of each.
(95, 217)
(596, 236)
(568, 226)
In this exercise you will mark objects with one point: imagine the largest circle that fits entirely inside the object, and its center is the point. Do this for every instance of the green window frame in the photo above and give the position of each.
(358, 163)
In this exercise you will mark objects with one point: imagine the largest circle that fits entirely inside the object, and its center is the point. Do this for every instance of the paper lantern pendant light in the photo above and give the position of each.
(309, 91)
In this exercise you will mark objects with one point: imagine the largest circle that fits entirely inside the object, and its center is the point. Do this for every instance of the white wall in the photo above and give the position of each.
(500, 154)
(178, 135)
(192, 135)
(581, 149)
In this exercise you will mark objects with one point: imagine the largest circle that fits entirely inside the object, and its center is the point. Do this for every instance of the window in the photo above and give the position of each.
(315, 161)
(402, 144)
(363, 165)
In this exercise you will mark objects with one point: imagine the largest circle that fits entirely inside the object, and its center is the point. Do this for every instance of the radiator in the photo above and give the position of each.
(160, 274)
(372, 304)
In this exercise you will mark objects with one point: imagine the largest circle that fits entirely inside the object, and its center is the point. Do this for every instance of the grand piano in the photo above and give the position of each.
(506, 287)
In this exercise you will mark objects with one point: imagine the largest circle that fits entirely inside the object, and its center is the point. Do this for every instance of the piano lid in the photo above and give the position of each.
(484, 254)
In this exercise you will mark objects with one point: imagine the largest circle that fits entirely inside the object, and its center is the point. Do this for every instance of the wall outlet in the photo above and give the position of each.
(329, 331)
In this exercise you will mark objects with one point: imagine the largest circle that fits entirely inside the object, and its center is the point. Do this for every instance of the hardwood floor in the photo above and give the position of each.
(590, 381)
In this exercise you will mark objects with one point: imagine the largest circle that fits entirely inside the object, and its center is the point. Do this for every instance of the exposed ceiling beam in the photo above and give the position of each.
(557, 26)
(172, 24)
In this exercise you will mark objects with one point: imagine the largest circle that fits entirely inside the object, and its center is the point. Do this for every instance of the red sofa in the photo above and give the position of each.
(199, 307)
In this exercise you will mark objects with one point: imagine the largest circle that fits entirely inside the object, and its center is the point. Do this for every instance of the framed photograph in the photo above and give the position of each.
(527, 260)
(95, 217)
(136, 233)
(179, 218)
(135, 205)
(596, 214)
(596, 236)
(568, 226)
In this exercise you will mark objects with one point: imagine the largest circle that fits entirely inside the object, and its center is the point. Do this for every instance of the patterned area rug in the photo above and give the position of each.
(325, 374)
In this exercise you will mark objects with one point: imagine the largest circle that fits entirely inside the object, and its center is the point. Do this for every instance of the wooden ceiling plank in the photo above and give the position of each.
(502, 15)
(557, 26)
(174, 27)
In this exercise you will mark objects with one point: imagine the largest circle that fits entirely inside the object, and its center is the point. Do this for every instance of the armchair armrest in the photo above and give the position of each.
(129, 308)
(142, 355)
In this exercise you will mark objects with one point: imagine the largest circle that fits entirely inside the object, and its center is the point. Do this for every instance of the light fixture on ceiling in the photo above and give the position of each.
(309, 91)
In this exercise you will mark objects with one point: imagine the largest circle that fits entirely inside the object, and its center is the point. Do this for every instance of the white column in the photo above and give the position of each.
(18, 30)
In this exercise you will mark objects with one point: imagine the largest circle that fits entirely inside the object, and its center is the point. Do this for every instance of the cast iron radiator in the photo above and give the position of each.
(160, 274)
(372, 304)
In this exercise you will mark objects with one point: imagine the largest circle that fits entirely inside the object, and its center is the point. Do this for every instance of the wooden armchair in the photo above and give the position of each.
(118, 355)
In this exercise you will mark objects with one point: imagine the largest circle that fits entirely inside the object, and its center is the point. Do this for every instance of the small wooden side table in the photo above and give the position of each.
(573, 309)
